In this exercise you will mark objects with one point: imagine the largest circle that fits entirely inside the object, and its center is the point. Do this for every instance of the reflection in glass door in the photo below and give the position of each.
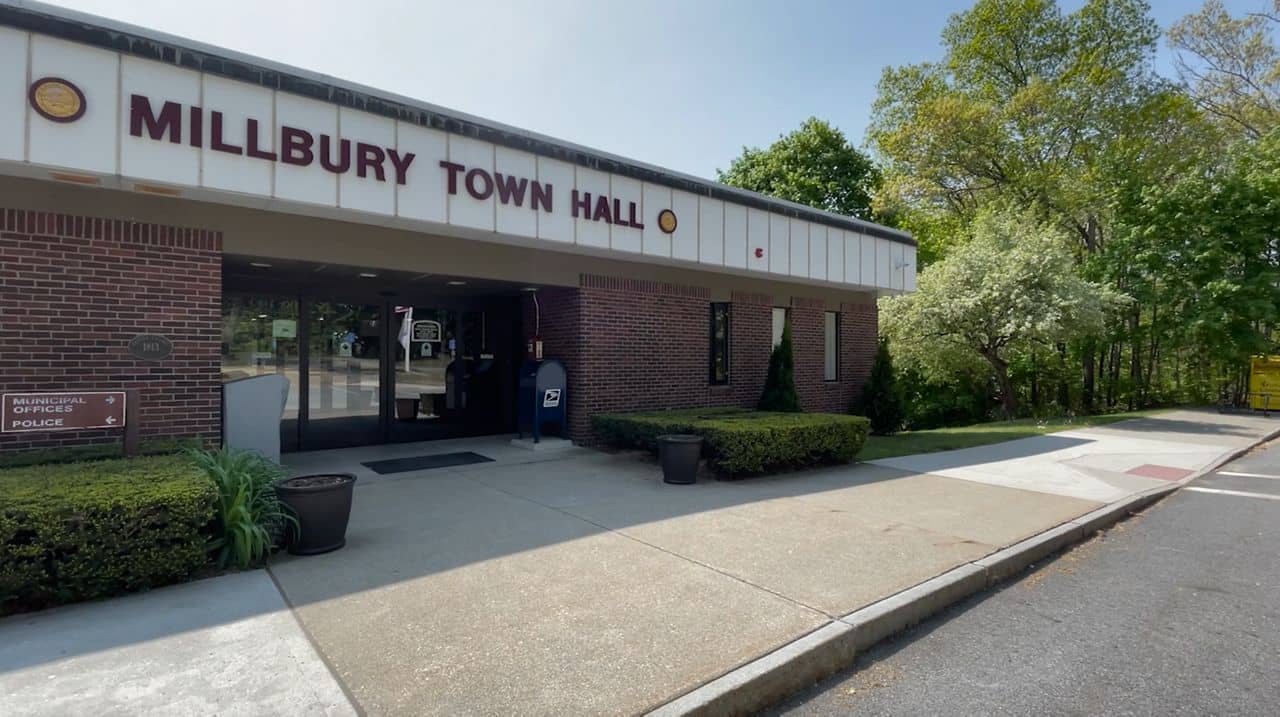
(454, 370)
(260, 336)
(344, 386)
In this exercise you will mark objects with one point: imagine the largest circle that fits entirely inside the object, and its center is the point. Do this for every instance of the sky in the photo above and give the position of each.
(683, 84)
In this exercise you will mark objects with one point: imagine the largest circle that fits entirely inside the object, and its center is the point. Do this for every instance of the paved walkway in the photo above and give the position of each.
(580, 583)
(1173, 613)
(225, 646)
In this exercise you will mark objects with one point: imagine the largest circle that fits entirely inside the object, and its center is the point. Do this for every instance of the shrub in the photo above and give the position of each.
(779, 393)
(88, 530)
(250, 519)
(881, 401)
(740, 442)
(94, 452)
(641, 430)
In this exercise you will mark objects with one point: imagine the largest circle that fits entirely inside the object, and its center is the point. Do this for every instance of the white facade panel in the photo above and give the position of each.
(909, 277)
(13, 94)
(867, 262)
(735, 236)
(556, 225)
(469, 204)
(899, 266)
(312, 184)
(684, 240)
(90, 142)
(593, 187)
(757, 239)
(238, 102)
(818, 252)
(623, 236)
(884, 262)
(370, 184)
(710, 231)
(779, 244)
(799, 264)
(656, 198)
(835, 255)
(424, 195)
(514, 173)
(172, 158)
(253, 144)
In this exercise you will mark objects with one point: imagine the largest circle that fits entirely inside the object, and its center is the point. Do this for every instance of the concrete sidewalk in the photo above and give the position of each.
(580, 583)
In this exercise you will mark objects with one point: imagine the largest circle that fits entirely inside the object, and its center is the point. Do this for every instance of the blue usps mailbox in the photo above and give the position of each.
(543, 393)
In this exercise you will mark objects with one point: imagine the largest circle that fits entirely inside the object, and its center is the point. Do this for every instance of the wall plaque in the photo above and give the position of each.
(150, 347)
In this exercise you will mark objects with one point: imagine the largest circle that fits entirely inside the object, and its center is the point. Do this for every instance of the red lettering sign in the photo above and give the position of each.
(297, 146)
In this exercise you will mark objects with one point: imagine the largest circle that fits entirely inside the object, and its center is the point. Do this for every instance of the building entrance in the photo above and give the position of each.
(382, 363)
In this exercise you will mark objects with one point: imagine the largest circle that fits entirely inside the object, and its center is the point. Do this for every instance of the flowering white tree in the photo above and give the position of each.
(1014, 283)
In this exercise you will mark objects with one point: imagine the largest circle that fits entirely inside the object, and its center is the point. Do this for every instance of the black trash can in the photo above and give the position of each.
(679, 455)
(322, 505)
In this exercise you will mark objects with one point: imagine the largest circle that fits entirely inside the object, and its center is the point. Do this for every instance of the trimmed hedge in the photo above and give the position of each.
(94, 452)
(88, 530)
(740, 442)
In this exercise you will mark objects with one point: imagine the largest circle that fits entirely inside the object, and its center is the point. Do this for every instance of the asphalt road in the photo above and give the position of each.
(1175, 611)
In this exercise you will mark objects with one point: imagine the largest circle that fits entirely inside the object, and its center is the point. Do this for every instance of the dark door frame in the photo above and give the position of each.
(306, 294)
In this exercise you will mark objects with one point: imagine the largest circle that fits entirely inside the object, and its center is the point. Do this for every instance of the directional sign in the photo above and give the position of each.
(70, 411)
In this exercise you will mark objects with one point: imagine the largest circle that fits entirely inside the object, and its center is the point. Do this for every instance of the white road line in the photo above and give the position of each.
(1241, 493)
(1247, 475)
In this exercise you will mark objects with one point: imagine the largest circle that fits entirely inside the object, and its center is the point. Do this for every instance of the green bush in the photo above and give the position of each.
(88, 530)
(780, 382)
(250, 519)
(641, 430)
(94, 452)
(738, 442)
(880, 401)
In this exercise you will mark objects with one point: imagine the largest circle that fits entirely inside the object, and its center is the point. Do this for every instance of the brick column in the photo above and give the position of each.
(75, 290)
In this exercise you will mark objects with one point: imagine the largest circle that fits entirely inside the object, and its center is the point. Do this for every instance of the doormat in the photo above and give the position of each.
(422, 463)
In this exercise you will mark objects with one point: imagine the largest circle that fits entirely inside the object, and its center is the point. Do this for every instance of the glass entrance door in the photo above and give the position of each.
(454, 372)
(344, 375)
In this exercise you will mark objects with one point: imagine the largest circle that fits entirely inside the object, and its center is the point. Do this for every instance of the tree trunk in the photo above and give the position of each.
(1086, 379)
(1064, 392)
(1008, 401)
(1035, 383)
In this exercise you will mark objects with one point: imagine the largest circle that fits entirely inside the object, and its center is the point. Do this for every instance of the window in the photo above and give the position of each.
(831, 346)
(779, 321)
(719, 343)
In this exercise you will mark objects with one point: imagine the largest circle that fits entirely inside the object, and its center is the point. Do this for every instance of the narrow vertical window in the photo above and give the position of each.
(719, 343)
(779, 323)
(831, 346)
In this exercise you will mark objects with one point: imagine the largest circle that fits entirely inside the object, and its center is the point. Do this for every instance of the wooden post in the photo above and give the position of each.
(132, 421)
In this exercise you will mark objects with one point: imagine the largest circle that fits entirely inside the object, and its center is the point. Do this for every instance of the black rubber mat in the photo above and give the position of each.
(422, 463)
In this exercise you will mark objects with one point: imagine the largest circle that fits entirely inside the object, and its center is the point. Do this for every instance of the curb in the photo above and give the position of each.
(834, 646)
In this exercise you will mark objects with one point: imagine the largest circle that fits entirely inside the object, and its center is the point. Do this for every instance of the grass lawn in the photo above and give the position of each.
(981, 434)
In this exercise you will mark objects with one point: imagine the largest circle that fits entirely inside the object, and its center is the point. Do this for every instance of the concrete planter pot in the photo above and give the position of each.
(679, 455)
(322, 505)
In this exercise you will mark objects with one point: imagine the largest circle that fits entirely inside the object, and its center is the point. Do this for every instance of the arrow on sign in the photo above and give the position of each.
(111, 400)
(111, 420)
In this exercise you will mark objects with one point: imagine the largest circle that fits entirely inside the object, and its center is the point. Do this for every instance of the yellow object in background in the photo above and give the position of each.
(1264, 378)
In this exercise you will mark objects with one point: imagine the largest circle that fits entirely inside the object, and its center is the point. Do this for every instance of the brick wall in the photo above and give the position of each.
(75, 290)
(632, 345)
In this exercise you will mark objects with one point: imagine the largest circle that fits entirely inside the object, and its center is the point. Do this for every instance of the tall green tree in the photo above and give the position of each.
(1032, 107)
(1012, 286)
(815, 165)
(880, 400)
(1231, 66)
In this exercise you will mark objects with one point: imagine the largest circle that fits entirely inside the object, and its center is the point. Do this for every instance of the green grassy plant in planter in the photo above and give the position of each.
(250, 517)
